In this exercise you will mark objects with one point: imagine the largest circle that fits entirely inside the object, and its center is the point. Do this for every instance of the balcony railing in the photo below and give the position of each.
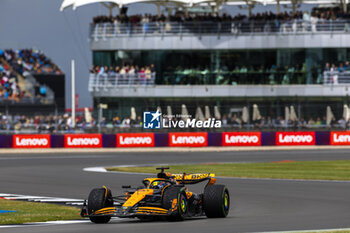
(113, 81)
(110, 30)
(335, 77)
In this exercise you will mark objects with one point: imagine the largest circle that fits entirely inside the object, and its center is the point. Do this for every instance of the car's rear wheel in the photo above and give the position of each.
(216, 201)
(181, 206)
(99, 198)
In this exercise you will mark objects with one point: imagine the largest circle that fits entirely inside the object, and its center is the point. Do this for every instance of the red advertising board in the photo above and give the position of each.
(241, 139)
(135, 140)
(31, 141)
(340, 138)
(188, 139)
(295, 138)
(82, 140)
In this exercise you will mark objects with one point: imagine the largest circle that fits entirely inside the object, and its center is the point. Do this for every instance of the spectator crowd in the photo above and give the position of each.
(14, 85)
(126, 69)
(62, 123)
(341, 67)
(9, 88)
(30, 60)
(127, 74)
(321, 14)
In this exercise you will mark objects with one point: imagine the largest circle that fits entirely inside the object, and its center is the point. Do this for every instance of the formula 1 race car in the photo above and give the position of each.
(164, 197)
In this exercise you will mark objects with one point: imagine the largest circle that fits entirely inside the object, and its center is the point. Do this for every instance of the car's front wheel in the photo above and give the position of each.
(176, 195)
(99, 198)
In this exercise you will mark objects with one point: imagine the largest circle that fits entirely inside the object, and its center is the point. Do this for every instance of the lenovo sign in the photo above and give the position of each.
(82, 140)
(135, 140)
(241, 139)
(188, 139)
(295, 138)
(31, 141)
(340, 138)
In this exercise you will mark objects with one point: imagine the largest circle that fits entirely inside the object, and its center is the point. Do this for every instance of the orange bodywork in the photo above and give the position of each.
(137, 196)
(174, 205)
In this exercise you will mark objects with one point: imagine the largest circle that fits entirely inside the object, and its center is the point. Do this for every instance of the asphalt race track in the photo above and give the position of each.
(256, 205)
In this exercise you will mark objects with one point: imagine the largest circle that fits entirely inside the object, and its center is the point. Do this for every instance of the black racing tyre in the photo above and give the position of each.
(99, 198)
(169, 195)
(216, 201)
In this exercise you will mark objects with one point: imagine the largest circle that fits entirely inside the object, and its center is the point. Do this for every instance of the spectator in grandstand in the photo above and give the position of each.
(311, 122)
(126, 122)
(327, 67)
(342, 122)
(334, 68)
(302, 123)
(318, 121)
(341, 67)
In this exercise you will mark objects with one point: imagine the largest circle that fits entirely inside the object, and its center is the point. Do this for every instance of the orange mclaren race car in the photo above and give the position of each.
(165, 196)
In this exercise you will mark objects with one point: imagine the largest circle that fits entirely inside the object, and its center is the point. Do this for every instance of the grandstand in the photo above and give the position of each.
(288, 59)
(30, 83)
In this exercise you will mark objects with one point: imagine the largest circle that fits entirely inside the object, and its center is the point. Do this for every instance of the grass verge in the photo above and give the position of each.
(35, 212)
(311, 170)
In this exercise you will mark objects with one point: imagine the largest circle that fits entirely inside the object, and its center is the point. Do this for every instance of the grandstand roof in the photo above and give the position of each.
(77, 3)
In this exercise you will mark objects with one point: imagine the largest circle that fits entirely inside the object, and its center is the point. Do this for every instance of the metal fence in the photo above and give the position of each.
(106, 82)
(295, 26)
(322, 115)
(112, 81)
(335, 77)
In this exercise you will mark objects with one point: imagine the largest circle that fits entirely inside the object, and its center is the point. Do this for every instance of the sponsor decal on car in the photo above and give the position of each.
(188, 139)
(241, 138)
(31, 141)
(82, 140)
(340, 138)
(295, 138)
(135, 140)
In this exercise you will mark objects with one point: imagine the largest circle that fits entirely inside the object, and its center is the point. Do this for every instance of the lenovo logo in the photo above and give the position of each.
(82, 140)
(135, 140)
(188, 139)
(340, 138)
(295, 138)
(241, 139)
(31, 141)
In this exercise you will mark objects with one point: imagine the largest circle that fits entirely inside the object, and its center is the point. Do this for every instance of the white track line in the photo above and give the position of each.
(66, 201)
(52, 223)
(49, 223)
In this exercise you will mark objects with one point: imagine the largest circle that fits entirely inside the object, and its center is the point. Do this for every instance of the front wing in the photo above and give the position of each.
(129, 212)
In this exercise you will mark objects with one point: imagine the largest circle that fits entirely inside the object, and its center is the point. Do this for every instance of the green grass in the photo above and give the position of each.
(35, 212)
(313, 170)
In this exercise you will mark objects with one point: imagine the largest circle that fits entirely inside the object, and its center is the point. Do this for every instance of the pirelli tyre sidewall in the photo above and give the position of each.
(99, 198)
(178, 193)
(216, 201)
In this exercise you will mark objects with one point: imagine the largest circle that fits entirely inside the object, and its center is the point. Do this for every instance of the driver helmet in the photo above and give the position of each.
(159, 184)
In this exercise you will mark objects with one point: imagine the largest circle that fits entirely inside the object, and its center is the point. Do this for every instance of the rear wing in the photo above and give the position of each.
(194, 178)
